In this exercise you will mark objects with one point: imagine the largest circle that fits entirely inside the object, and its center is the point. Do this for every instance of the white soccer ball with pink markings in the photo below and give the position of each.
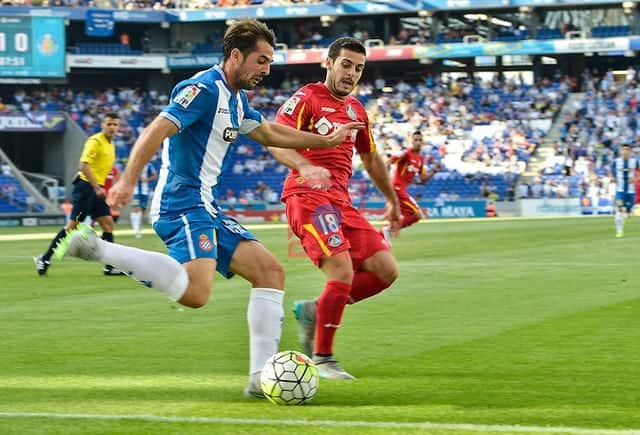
(289, 378)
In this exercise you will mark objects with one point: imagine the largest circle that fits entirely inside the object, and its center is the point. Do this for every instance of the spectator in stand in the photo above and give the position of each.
(66, 208)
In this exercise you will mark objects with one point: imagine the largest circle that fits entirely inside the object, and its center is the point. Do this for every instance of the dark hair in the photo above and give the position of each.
(416, 132)
(244, 34)
(626, 145)
(351, 44)
(111, 115)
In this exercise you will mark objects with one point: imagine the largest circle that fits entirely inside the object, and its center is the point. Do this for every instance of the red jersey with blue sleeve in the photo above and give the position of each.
(314, 109)
(407, 166)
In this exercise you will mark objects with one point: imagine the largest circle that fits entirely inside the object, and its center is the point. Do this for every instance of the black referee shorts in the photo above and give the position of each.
(86, 202)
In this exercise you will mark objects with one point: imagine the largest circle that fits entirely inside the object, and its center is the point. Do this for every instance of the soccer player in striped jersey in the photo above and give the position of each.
(205, 115)
(623, 171)
(141, 198)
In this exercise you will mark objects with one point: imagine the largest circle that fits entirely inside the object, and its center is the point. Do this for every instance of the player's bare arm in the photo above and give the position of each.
(317, 176)
(143, 150)
(271, 134)
(425, 175)
(375, 166)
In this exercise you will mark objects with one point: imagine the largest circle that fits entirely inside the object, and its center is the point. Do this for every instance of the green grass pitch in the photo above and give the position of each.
(491, 324)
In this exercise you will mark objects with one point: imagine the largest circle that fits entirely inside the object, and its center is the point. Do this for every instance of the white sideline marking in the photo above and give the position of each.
(49, 236)
(330, 423)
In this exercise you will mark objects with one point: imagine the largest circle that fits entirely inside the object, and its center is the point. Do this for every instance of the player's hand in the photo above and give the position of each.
(120, 194)
(99, 191)
(438, 167)
(317, 176)
(394, 216)
(340, 135)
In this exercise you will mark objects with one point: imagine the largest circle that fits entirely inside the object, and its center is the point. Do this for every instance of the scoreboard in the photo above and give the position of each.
(32, 46)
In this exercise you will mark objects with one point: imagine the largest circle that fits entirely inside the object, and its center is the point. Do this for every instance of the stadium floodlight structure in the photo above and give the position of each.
(628, 7)
(327, 20)
(374, 43)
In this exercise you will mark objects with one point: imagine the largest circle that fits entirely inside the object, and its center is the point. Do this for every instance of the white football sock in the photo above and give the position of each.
(136, 219)
(619, 221)
(265, 315)
(153, 269)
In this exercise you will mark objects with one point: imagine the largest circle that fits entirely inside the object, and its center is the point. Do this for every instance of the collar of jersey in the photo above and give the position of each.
(224, 78)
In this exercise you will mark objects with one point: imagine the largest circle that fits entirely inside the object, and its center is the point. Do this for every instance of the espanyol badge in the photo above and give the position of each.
(351, 112)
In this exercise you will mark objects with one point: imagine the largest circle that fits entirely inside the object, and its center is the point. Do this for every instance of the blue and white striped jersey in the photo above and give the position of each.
(142, 187)
(624, 174)
(209, 116)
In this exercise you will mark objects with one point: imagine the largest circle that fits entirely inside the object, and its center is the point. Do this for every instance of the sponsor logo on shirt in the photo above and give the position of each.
(187, 95)
(327, 109)
(223, 111)
(323, 126)
(230, 134)
(290, 106)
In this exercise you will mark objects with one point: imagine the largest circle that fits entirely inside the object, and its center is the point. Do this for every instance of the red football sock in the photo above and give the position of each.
(409, 219)
(365, 285)
(329, 311)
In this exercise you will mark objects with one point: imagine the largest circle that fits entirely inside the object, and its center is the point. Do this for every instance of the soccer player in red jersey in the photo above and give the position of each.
(337, 238)
(409, 163)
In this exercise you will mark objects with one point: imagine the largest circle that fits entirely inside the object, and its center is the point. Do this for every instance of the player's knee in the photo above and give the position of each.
(339, 270)
(344, 275)
(389, 272)
(196, 296)
(269, 274)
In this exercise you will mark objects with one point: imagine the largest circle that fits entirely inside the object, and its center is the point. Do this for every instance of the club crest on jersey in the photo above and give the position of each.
(187, 95)
(334, 241)
(205, 243)
(290, 106)
(230, 134)
(323, 126)
(351, 112)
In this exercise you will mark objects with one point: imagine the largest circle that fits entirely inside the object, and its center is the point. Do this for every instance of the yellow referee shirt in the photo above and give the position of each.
(99, 154)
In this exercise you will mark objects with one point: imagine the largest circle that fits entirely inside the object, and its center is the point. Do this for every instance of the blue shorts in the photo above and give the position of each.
(625, 200)
(197, 234)
(140, 200)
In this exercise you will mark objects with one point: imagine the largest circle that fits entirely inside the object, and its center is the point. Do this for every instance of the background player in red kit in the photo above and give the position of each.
(409, 163)
(338, 239)
(112, 179)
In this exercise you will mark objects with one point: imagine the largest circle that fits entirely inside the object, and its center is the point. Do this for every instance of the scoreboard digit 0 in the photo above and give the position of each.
(32, 46)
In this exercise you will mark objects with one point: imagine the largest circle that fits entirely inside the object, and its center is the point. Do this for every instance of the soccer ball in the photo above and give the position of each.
(289, 378)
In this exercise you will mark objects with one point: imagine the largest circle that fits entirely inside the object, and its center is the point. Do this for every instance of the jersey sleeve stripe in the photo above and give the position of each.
(411, 206)
(299, 123)
(172, 118)
(248, 125)
(316, 236)
(372, 144)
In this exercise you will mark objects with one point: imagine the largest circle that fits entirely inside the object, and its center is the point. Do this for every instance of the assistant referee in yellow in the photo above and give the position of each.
(96, 161)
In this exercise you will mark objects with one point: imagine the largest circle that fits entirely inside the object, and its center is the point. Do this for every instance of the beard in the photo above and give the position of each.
(339, 92)
(247, 81)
